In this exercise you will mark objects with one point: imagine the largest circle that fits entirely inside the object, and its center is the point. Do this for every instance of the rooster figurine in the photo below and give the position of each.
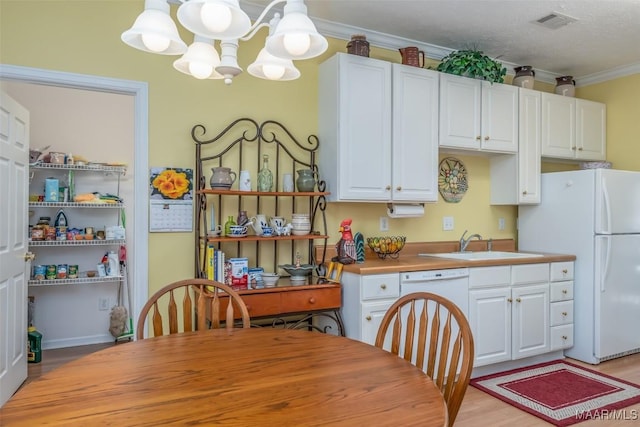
(346, 247)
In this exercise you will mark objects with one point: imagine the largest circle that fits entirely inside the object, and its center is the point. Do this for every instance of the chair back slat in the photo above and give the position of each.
(422, 337)
(202, 309)
(211, 297)
(215, 310)
(157, 320)
(173, 314)
(187, 311)
(445, 330)
(434, 336)
(410, 331)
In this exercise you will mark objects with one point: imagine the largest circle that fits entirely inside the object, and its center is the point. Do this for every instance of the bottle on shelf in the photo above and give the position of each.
(228, 224)
(265, 176)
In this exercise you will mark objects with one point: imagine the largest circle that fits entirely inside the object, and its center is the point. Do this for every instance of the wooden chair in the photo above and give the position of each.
(208, 296)
(424, 324)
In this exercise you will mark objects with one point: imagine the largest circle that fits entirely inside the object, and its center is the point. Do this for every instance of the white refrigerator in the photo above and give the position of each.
(594, 215)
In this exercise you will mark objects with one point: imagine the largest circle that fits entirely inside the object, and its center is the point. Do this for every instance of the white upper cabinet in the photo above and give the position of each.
(525, 165)
(573, 129)
(378, 130)
(478, 115)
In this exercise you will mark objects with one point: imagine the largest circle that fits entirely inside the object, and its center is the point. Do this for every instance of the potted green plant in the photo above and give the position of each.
(473, 63)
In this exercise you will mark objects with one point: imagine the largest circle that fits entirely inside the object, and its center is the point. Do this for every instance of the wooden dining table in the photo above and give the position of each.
(243, 377)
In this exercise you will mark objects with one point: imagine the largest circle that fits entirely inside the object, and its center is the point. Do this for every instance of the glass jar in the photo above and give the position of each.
(39, 230)
(265, 177)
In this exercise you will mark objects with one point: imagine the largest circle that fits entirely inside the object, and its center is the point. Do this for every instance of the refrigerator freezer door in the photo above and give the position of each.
(617, 295)
(617, 209)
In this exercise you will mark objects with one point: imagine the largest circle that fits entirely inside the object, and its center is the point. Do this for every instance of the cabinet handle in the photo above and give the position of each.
(383, 286)
(486, 138)
(564, 291)
(524, 193)
(398, 188)
(564, 313)
(565, 271)
(388, 188)
(518, 300)
(580, 149)
(478, 138)
(509, 300)
(368, 318)
(312, 300)
(573, 148)
(564, 337)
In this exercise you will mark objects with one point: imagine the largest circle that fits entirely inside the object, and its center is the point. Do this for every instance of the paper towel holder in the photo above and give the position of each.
(406, 210)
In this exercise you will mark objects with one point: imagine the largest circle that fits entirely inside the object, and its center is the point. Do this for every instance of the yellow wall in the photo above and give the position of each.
(84, 37)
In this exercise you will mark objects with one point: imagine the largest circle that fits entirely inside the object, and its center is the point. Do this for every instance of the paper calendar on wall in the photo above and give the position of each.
(170, 200)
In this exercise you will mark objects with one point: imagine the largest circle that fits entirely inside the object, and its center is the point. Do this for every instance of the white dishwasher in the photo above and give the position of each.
(452, 284)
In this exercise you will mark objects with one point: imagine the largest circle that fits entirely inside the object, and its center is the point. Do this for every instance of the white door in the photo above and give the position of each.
(14, 171)
(490, 321)
(415, 134)
(499, 122)
(617, 294)
(530, 320)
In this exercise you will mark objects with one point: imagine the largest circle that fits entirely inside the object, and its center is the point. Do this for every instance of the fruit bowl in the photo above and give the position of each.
(386, 246)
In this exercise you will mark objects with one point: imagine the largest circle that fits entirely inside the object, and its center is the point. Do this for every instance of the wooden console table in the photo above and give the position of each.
(309, 301)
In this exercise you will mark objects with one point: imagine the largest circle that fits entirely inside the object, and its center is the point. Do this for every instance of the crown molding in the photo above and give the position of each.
(391, 42)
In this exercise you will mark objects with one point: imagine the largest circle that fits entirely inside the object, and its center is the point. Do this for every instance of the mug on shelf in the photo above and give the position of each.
(238, 230)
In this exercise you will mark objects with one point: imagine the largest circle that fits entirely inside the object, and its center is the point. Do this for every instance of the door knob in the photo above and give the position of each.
(368, 318)
(518, 300)
(29, 256)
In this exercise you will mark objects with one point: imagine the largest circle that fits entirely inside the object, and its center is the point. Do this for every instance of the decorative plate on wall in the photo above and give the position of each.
(452, 180)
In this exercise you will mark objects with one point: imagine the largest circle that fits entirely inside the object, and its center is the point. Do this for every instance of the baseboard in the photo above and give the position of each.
(76, 341)
(515, 364)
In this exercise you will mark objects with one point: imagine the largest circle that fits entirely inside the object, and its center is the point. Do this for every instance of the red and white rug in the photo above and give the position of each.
(563, 393)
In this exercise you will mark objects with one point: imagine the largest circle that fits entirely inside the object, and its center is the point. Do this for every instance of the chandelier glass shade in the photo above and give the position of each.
(292, 37)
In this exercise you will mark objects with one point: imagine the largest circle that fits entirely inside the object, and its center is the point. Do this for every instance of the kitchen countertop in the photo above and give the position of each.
(421, 263)
(410, 261)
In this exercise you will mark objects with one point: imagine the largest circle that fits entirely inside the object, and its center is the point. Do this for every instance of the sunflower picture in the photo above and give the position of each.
(171, 183)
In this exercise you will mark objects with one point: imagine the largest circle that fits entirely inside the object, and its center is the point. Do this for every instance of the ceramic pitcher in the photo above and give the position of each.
(411, 56)
(222, 178)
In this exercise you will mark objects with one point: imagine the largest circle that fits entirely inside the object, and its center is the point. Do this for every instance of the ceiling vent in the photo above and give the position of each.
(555, 20)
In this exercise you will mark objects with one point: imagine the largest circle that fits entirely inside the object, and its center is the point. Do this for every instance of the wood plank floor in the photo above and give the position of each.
(478, 408)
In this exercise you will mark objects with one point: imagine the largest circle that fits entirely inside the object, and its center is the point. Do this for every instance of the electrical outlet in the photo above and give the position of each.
(447, 223)
(103, 303)
(501, 224)
(384, 223)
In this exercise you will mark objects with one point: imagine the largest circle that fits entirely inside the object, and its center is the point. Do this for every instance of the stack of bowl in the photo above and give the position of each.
(300, 224)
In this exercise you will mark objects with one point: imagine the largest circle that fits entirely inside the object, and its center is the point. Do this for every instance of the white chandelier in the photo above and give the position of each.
(290, 38)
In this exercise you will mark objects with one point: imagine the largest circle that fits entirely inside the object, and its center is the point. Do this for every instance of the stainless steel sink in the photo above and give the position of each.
(483, 255)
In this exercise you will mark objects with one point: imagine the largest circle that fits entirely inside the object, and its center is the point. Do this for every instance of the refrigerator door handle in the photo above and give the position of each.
(607, 207)
(603, 252)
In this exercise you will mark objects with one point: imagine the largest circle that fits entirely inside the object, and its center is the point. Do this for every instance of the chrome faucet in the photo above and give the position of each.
(465, 242)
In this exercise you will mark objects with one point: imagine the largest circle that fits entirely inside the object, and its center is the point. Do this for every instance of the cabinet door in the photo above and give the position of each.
(372, 314)
(558, 126)
(490, 321)
(591, 130)
(530, 320)
(354, 126)
(460, 105)
(415, 134)
(529, 147)
(499, 119)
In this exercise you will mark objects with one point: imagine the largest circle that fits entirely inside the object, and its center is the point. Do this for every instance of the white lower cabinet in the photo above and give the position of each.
(509, 312)
(365, 301)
